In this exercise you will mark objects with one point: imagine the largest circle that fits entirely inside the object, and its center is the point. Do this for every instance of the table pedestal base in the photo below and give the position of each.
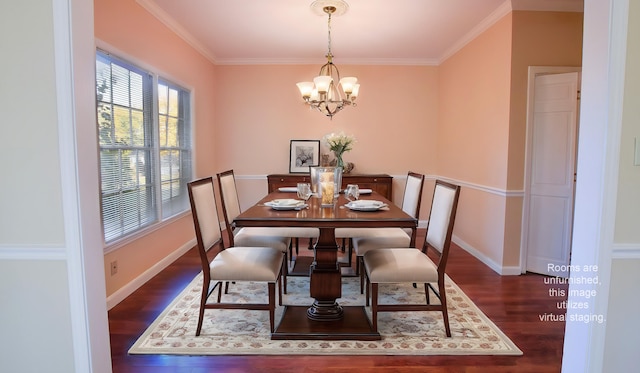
(325, 311)
(354, 325)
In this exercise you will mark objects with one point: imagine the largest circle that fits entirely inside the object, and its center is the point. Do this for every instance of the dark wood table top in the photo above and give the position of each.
(315, 215)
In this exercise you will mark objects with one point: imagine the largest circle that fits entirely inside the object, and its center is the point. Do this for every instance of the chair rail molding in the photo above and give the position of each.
(480, 187)
(17, 252)
(625, 251)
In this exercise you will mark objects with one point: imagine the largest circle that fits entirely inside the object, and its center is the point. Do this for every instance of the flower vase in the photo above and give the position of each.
(339, 161)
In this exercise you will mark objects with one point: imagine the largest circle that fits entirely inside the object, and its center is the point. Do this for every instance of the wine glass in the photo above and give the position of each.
(352, 193)
(304, 191)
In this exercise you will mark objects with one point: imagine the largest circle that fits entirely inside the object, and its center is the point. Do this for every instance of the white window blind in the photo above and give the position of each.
(145, 146)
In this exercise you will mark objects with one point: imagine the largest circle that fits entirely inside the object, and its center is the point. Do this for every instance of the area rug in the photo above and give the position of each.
(240, 332)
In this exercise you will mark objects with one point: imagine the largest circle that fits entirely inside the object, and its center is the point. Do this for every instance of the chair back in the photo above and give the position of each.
(413, 194)
(229, 196)
(441, 219)
(205, 216)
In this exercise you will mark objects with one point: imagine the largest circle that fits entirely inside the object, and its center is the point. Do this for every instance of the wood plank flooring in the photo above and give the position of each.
(513, 303)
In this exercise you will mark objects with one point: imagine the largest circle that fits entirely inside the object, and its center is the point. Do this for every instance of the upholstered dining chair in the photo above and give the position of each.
(279, 238)
(233, 264)
(410, 265)
(365, 239)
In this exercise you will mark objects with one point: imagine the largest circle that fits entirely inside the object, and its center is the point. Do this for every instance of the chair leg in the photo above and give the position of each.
(360, 260)
(426, 293)
(368, 291)
(279, 280)
(272, 305)
(226, 285)
(350, 251)
(203, 301)
(443, 302)
(285, 271)
(374, 306)
(344, 244)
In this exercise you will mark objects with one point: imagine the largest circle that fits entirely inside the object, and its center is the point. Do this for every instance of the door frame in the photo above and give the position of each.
(535, 71)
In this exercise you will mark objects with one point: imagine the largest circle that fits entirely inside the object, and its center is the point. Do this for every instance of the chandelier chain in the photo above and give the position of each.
(329, 32)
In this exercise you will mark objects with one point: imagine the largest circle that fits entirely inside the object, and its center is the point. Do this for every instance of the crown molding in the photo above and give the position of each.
(174, 26)
(494, 17)
(504, 9)
(315, 61)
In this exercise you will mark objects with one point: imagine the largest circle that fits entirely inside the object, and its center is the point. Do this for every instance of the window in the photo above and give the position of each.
(144, 137)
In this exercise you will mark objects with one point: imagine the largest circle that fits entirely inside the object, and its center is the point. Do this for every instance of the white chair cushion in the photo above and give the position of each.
(230, 196)
(247, 264)
(296, 232)
(261, 237)
(381, 238)
(362, 232)
(353, 232)
(412, 192)
(440, 213)
(205, 210)
(395, 265)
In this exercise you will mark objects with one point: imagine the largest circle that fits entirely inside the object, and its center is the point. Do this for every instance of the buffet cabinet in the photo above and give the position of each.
(380, 183)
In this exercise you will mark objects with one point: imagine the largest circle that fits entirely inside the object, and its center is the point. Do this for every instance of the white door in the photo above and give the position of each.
(551, 174)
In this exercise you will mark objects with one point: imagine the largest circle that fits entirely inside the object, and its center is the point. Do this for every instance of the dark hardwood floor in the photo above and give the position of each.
(513, 303)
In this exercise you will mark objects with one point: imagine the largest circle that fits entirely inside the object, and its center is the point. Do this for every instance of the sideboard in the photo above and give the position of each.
(380, 183)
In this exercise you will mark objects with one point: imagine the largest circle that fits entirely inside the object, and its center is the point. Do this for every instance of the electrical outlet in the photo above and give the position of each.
(114, 267)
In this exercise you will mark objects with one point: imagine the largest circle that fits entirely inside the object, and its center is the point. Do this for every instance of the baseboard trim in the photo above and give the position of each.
(501, 270)
(132, 286)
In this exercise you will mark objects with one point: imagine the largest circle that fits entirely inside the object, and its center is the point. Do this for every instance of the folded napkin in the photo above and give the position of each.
(288, 189)
(286, 202)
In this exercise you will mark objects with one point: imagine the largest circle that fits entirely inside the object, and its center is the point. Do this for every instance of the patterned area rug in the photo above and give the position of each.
(240, 332)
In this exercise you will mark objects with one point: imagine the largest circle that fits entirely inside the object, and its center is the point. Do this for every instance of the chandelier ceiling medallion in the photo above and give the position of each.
(328, 93)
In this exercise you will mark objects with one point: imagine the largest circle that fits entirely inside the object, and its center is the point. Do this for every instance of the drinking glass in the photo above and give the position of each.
(352, 193)
(304, 191)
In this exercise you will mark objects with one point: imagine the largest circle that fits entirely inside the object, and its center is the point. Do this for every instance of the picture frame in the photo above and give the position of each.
(302, 155)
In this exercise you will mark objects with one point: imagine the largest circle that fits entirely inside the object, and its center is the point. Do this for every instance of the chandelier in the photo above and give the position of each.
(328, 93)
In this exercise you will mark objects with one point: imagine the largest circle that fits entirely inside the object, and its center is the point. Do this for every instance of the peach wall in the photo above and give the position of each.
(259, 110)
(130, 32)
(473, 134)
(473, 123)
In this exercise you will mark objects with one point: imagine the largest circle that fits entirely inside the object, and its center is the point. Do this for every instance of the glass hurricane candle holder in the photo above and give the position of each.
(326, 183)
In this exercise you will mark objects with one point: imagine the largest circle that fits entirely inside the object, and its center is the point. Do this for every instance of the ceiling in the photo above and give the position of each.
(398, 32)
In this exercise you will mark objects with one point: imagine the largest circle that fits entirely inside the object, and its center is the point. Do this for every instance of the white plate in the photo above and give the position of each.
(286, 204)
(285, 208)
(288, 189)
(366, 205)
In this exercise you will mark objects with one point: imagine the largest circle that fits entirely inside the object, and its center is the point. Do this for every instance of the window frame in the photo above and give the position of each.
(161, 218)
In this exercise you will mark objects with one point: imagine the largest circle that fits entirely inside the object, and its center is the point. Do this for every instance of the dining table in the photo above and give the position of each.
(325, 318)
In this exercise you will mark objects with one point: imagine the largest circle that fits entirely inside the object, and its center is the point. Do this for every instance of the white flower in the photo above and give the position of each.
(339, 142)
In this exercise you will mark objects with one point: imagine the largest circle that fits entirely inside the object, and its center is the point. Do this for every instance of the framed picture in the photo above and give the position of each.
(303, 154)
